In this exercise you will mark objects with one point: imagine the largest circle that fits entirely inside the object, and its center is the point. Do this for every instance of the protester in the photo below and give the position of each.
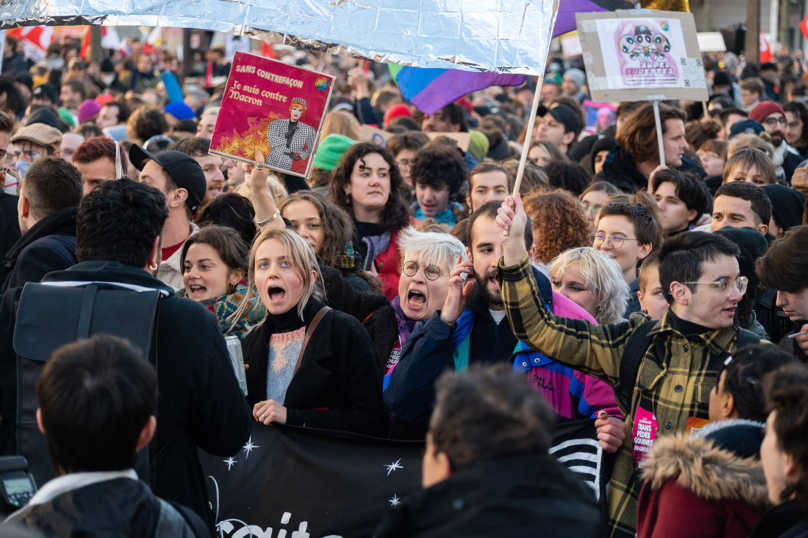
(403, 147)
(788, 208)
(713, 156)
(284, 380)
(600, 150)
(594, 197)
(199, 149)
(752, 89)
(714, 475)
(449, 119)
(681, 198)
(560, 126)
(437, 175)
(214, 264)
(469, 330)
(783, 268)
(740, 204)
(144, 123)
(571, 84)
(486, 467)
(182, 182)
(796, 131)
(367, 185)
(70, 141)
(33, 142)
(783, 453)
(773, 118)
(627, 233)
(93, 438)
(9, 224)
(559, 224)
(693, 321)
(593, 281)
(487, 182)
(751, 165)
(630, 164)
(46, 211)
(652, 300)
(114, 113)
(201, 406)
(728, 118)
(542, 153)
(97, 159)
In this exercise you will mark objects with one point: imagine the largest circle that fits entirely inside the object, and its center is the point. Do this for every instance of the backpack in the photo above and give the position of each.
(50, 315)
(636, 347)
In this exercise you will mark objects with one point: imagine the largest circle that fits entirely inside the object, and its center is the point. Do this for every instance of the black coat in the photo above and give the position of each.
(339, 383)
(112, 508)
(519, 496)
(200, 404)
(9, 227)
(620, 171)
(50, 245)
(786, 520)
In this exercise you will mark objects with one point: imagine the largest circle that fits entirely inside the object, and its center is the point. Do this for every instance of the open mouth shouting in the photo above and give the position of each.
(276, 294)
(197, 291)
(416, 300)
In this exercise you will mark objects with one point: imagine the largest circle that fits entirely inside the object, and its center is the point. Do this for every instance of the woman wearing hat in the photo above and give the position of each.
(291, 140)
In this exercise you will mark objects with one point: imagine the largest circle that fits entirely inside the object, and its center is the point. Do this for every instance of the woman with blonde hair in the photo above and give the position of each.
(593, 281)
(341, 123)
(308, 365)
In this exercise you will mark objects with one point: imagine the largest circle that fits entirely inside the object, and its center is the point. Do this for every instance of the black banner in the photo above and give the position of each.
(320, 484)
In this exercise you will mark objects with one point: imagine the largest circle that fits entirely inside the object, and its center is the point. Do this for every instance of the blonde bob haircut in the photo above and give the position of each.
(303, 261)
(435, 248)
(601, 274)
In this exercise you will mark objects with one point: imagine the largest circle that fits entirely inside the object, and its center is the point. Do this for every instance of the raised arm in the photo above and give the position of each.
(263, 202)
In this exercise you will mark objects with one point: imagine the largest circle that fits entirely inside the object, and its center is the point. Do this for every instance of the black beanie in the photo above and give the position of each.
(607, 143)
(753, 245)
(788, 205)
(742, 437)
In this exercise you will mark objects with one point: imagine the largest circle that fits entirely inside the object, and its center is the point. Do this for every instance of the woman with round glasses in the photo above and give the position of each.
(427, 259)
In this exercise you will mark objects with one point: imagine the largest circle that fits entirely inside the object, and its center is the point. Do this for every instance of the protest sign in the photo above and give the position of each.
(463, 139)
(373, 134)
(335, 484)
(273, 107)
(642, 55)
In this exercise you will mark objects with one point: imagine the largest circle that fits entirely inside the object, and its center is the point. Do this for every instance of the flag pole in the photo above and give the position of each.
(528, 137)
(660, 142)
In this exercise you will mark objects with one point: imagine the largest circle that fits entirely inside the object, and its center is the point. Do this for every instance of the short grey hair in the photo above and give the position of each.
(434, 247)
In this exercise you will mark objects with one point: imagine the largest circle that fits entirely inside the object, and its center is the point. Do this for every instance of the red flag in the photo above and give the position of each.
(804, 27)
(266, 50)
(765, 51)
(35, 40)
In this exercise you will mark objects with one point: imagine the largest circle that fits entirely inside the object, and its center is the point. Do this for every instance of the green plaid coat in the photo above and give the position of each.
(675, 378)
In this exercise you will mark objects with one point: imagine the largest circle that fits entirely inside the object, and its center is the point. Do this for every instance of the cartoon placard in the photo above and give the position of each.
(273, 107)
(641, 54)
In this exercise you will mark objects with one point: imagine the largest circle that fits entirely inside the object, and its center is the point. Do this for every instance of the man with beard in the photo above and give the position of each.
(773, 119)
(472, 329)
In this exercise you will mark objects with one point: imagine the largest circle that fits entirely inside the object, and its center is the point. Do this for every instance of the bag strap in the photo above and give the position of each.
(316, 321)
(637, 345)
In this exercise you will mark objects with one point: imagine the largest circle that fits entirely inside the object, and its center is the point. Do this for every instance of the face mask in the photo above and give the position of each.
(24, 162)
(107, 79)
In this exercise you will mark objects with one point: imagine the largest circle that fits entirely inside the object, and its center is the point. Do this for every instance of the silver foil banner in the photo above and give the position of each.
(504, 36)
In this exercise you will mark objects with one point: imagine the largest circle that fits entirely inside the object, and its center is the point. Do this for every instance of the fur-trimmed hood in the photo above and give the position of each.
(708, 471)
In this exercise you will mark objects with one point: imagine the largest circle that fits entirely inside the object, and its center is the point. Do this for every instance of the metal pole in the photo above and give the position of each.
(659, 134)
(187, 58)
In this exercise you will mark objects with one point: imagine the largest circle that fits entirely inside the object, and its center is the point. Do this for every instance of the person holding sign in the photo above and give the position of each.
(290, 140)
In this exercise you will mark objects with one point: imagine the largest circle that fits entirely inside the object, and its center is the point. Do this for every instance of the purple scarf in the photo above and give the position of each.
(405, 324)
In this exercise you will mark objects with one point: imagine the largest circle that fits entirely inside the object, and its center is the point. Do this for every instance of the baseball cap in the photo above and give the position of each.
(39, 133)
(182, 169)
(47, 90)
(567, 116)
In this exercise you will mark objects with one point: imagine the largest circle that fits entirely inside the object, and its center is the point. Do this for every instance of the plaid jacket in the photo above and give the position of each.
(675, 378)
(302, 143)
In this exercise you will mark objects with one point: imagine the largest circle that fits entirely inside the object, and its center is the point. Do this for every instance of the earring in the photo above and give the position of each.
(153, 267)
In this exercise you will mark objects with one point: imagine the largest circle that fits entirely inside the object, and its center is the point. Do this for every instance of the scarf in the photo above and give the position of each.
(405, 324)
(225, 306)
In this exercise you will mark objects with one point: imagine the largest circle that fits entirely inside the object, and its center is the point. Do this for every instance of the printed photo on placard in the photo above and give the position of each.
(272, 107)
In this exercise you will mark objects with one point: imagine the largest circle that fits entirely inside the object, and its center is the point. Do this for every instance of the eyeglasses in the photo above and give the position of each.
(432, 272)
(771, 122)
(710, 154)
(591, 209)
(726, 285)
(615, 240)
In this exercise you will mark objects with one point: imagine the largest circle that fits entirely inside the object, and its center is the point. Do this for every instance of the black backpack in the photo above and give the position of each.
(53, 314)
(636, 347)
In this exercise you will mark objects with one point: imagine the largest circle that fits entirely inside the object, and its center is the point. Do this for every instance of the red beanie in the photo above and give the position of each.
(763, 109)
(396, 111)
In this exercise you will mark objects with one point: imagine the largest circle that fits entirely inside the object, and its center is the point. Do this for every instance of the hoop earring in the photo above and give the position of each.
(153, 267)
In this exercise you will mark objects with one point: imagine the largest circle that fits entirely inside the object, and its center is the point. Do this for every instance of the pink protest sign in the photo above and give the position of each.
(272, 107)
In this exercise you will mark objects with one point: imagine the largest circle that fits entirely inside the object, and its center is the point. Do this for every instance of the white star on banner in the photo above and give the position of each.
(249, 447)
(394, 466)
(230, 462)
(394, 501)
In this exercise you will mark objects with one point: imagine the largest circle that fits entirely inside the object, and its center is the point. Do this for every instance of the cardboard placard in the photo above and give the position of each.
(463, 139)
(273, 107)
(643, 54)
(373, 134)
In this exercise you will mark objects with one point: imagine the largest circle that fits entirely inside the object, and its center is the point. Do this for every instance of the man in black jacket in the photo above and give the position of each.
(48, 203)
(9, 227)
(97, 401)
(486, 470)
(118, 231)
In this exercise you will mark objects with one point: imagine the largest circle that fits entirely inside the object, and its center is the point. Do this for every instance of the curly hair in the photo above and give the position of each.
(395, 215)
(436, 167)
(337, 225)
(146, 122)
(569, 176)
(559, 223)
(637, 134)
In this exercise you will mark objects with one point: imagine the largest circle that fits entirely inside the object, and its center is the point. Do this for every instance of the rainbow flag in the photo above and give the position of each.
(429, 90)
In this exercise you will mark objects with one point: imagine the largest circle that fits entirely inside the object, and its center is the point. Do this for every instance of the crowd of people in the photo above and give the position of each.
(404, 291)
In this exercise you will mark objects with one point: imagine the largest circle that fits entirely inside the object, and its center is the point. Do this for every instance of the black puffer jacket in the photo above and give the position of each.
(620, 171)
